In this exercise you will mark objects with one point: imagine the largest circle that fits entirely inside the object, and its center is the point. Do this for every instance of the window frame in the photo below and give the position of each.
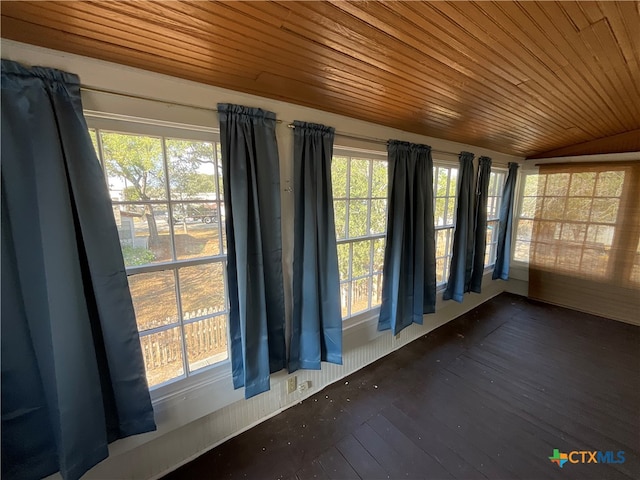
(543, 197)
(163, 130)
(450, 227)
(371, 156)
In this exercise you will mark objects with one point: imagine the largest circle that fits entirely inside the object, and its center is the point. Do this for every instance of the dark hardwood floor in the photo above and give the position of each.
(488, 395)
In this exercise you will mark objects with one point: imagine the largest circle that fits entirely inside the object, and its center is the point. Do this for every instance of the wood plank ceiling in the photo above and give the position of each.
(526, 78)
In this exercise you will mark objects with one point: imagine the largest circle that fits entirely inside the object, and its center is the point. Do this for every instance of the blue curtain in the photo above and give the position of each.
(316, 329)
(480, 224)
(254, 263)
(409, 273)
(462, 257)
(503, 255)
(73, 376)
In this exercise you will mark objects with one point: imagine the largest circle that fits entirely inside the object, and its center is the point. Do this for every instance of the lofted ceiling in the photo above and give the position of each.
(532, 79)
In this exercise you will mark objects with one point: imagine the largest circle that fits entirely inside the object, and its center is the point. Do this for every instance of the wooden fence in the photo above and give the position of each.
(162, 351)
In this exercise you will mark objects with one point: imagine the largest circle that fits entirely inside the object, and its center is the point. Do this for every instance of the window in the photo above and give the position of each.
(445, 184)
(360, 207)
(524, 227)
(166, 194)
(580, 225)
(570, 217)
(494, 200)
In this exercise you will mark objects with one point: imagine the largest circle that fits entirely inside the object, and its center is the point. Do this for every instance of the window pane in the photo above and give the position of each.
(134, 167)
(450, 211)
(600, 236)
(359, 295)
(594, 261)
(167, 209)
(578, 209)
(162, 353)
(528, 207)
(343, 261)
(359, 179)
(521, 251)
(339, 177)
(376, 293)
(362, 214)
(440, 267)
(443, 245)
(223, 228)
(344, 299)
(378, 216)
(609, 184)
(453, 182)
(492, 232)
(572, 232)
(380, 179)
(439, 214)
(534, 185)
(219, 167)
(206, 342)
(557, 184)
(547, 230)
(340, 214)
(154, 299)
(582, 184)
(378, 255)
(357, 218)
(525, 229)
(604, 210)
(492, 207)
(361, 258)
(191, 170)
(553, 208)
(144, 233)
(202, 290)
(441, 176)
(196, 229)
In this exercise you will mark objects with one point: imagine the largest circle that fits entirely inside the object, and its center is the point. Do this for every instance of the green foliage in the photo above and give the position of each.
(191, 169)
(343, 261)
(359, 179)
(134, 256)
(379, 180)
(136, 159)
(340, 213)
(357, 218)
(339, 167)
(361, 258)
(445, 181)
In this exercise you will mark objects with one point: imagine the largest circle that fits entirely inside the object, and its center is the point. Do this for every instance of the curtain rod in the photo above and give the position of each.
(151, 99)
(208, 109)
(376, 140)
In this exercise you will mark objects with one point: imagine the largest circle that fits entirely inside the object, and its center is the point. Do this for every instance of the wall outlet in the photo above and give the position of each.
(306, 385)
(292, 384)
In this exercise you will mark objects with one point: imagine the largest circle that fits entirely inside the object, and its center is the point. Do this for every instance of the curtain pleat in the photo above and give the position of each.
(316, 330)
(409, 282)
(503, 254)
(254, 244)
(463, 237)
(73, 376)
(480, 224)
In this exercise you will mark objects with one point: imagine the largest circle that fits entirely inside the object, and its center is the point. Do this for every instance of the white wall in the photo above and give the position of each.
(205, 411)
